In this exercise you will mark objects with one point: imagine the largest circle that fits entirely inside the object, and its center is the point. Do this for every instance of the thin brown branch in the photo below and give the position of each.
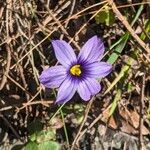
(141, 144)
(83, 122)
(127, 25)
(61, 26)
(4, 79)
(11, 127)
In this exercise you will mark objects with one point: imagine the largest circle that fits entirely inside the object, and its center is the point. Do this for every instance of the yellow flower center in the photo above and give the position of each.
(76, 70)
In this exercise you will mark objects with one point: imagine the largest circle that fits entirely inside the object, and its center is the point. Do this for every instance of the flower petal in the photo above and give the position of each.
(83, 91)
(92, 50)
(88, 87)
(53, 76)
(66, 90)
(93, 85)
(97, 69)
(64, 52)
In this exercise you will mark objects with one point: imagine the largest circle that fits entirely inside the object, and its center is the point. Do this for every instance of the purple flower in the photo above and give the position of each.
(76, 73)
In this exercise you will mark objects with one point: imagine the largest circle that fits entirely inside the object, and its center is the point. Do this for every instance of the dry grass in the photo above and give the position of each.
(27, 28)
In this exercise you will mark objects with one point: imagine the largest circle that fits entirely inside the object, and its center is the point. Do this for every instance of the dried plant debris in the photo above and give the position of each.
(104, 113)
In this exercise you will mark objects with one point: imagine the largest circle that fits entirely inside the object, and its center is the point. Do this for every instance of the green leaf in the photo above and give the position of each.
(122, 73)
(100, 17)
(118, 49)
(31, 146)
(49, 145)
(107, 17)
(120, 44)
(45, 136)
(110, 19)
(147, 29)
(114, 103)
(33, 137)
(130, 87)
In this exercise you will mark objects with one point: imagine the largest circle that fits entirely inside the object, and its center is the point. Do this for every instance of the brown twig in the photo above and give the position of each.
(91, 125)
(11, 127)
(87, 22)
(4, 79)
(70, 14)
(72, 17)
(141, 144)
(10, 78)
(127, 25)
(28, 103)
(83, 122)
(82, 13)
(60, 25)
(32, 49)
(45, 103)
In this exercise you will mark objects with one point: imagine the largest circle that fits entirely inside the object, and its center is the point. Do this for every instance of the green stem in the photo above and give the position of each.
(58, 110)
(63, 119)
(65, 129)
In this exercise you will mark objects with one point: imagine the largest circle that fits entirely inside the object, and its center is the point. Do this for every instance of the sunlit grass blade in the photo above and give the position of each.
(120, 44)
(115, 102)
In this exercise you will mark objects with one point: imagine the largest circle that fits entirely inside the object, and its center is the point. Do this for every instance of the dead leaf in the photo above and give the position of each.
(130, 116)
(112, 123)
